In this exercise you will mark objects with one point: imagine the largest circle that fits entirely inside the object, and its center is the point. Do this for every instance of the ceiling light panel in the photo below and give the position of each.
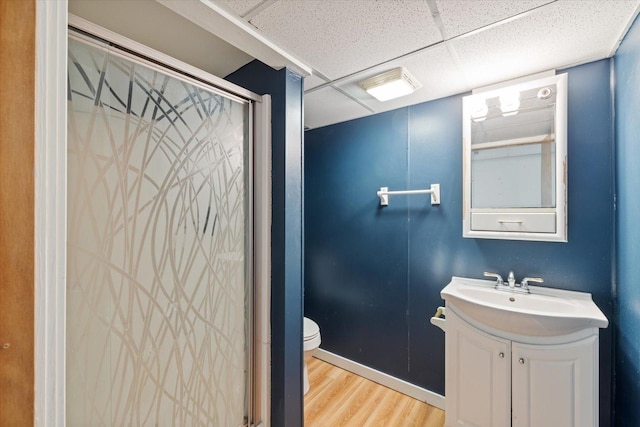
(462, 16)
(551, 40)
(434, 68)
(390, 84)
(342, 37)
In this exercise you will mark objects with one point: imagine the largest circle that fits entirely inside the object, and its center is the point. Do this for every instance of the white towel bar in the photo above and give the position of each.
(384, 194)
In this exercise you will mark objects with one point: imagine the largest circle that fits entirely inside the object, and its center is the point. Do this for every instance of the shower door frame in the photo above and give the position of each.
(52, 23)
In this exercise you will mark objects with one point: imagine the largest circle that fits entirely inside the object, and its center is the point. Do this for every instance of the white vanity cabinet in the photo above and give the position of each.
(478, 376)
(555, 385)
(493, 381)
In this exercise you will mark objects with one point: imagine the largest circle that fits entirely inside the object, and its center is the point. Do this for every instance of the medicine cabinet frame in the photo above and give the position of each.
(547, 222)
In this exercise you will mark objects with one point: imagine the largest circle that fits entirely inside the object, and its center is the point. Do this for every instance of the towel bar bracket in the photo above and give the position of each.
(384, 197)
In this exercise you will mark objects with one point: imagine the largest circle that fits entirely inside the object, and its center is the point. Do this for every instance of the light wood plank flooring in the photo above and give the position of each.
(341, 398)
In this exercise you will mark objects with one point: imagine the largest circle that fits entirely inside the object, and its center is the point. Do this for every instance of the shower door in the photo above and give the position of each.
(159, 248)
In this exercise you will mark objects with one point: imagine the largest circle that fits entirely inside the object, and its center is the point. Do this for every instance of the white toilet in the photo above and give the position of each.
(311, 334)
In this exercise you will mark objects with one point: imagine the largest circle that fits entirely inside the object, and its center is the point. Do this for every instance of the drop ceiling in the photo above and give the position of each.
(450, 46)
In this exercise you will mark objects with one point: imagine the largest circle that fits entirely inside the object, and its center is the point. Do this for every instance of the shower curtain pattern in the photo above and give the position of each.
(157, 293)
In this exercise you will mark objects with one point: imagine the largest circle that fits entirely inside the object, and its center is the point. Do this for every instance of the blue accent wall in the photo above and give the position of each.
(285, 88)
(356, 252)
(627, 108)
(373, 275)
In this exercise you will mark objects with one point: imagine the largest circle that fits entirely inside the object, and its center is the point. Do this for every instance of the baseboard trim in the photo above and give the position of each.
(412, 390)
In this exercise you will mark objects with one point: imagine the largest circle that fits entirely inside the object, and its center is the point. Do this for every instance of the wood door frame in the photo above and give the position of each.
(17, 93)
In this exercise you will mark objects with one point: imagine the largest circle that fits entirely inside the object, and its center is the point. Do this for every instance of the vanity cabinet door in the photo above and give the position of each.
(478, 379)
(555, 385)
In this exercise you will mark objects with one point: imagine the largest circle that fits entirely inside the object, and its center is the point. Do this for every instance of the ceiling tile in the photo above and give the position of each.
(239, 7)
(557, 35)
(327, 106)
(462, 16)
(340, 37)
(434, 68)
(312, 81)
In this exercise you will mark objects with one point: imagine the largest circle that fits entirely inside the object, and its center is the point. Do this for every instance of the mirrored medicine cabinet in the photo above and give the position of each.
(515, 161)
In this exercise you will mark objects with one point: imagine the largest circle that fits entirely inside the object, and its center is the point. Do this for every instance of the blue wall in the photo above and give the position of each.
(373, 275)
(627, 107)
(285, 88)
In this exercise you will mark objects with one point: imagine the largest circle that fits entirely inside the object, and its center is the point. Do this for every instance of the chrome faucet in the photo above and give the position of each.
(499, 281)
(511, 284)
(525, 282)
(511, 279)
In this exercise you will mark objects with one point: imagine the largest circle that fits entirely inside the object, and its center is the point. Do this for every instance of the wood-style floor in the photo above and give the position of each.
(341, 398)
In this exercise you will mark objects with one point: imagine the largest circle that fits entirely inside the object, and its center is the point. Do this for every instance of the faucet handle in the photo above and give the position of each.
(526, 280)
(498, 277)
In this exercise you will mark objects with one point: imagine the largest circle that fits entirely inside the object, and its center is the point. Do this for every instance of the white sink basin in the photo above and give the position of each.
(543, 312)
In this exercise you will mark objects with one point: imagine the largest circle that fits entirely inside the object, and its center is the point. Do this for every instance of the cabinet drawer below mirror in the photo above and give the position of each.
(544, 222)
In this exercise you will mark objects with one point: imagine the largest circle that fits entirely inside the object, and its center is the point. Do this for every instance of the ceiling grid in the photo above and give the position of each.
(449, 46)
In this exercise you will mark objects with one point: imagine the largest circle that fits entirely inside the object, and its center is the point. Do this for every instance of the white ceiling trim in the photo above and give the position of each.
(435, 15)
(237, 32)
(260, 7)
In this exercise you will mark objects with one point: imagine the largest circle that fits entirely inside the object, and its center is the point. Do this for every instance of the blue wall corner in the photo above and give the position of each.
(627, 105)
(285, 88)
(373, 275)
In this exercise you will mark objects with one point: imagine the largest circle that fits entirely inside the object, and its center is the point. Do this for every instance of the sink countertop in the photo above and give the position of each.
(545, 312)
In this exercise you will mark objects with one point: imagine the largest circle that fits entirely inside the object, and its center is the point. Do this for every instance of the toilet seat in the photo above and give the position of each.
(310, 329)
(311, 335)
(310, 344)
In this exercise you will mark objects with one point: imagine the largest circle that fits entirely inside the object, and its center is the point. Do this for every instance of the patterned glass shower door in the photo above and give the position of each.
(158, 283)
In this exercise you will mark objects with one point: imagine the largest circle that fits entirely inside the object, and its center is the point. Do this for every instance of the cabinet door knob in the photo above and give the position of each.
(521, 360)
(501, 355)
